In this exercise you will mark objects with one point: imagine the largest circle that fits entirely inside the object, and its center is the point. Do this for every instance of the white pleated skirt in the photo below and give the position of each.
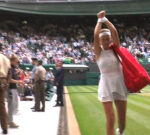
(112, 87)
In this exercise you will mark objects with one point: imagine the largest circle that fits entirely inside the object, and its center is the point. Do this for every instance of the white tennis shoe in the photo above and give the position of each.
(118, 132)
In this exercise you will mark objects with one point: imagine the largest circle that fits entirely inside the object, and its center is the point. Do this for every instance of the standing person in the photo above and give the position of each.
(59, 83)
(49, 79)
(22, 76)
(4, 70)
(111, 86)
(13, 92)
(34, 63)
(40, 76)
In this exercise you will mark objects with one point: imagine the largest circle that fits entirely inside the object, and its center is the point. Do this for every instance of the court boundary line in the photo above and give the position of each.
(73, 127)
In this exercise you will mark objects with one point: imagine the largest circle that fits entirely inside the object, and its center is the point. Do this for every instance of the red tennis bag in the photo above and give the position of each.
(135, 76)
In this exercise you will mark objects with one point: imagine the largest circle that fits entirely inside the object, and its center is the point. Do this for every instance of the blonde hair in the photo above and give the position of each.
(104, 32)
(13, 57)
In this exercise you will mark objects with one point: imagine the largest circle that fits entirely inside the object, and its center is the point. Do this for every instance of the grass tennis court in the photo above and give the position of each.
(90, 114)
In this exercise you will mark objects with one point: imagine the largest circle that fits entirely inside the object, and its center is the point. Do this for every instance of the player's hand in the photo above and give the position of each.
(101, 14)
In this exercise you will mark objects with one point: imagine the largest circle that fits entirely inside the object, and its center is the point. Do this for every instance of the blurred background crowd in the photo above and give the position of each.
(67, 38)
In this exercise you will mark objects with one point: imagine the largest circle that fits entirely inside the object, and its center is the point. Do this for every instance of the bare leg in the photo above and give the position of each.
(110, 118)
(121, 112)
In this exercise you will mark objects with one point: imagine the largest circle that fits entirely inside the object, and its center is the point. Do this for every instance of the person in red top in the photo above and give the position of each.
(22, 75)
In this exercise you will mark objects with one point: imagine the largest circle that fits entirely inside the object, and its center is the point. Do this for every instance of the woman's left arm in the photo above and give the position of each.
(114, 32)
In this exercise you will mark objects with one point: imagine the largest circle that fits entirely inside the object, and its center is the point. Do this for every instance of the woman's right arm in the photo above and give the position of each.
(97, 48)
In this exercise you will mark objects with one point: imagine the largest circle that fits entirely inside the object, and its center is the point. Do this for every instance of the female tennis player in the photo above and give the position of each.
(112, 88)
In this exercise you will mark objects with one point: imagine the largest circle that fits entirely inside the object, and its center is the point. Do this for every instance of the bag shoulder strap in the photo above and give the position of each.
(116, 54)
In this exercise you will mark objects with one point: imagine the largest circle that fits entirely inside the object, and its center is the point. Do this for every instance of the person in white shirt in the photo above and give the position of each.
(4, 70)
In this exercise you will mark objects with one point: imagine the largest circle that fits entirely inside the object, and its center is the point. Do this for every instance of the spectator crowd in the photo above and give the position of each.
(71, 43)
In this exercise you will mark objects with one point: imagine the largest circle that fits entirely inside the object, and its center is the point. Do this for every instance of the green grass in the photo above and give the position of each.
(90, 114)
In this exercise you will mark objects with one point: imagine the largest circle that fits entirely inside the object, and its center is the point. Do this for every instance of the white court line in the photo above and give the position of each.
(36, 123)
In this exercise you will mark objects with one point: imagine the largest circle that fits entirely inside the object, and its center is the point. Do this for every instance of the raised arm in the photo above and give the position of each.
(96, 44)
(114, 33)
(97, 48)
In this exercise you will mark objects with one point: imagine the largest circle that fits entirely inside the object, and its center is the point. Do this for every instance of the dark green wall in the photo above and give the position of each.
(79, 8)
(82, 78)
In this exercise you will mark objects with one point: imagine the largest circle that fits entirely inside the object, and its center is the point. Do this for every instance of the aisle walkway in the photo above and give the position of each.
(36, 123)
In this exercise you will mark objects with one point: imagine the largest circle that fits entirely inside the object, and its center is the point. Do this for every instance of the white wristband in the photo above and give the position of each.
(102, 20)
(99, 20)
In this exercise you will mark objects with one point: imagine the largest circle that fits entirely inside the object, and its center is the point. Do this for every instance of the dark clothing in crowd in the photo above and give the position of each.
(59, 82)
(15, 76)
(59, 76)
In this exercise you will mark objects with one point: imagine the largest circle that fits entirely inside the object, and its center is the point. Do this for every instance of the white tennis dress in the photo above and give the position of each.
(111, 84)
